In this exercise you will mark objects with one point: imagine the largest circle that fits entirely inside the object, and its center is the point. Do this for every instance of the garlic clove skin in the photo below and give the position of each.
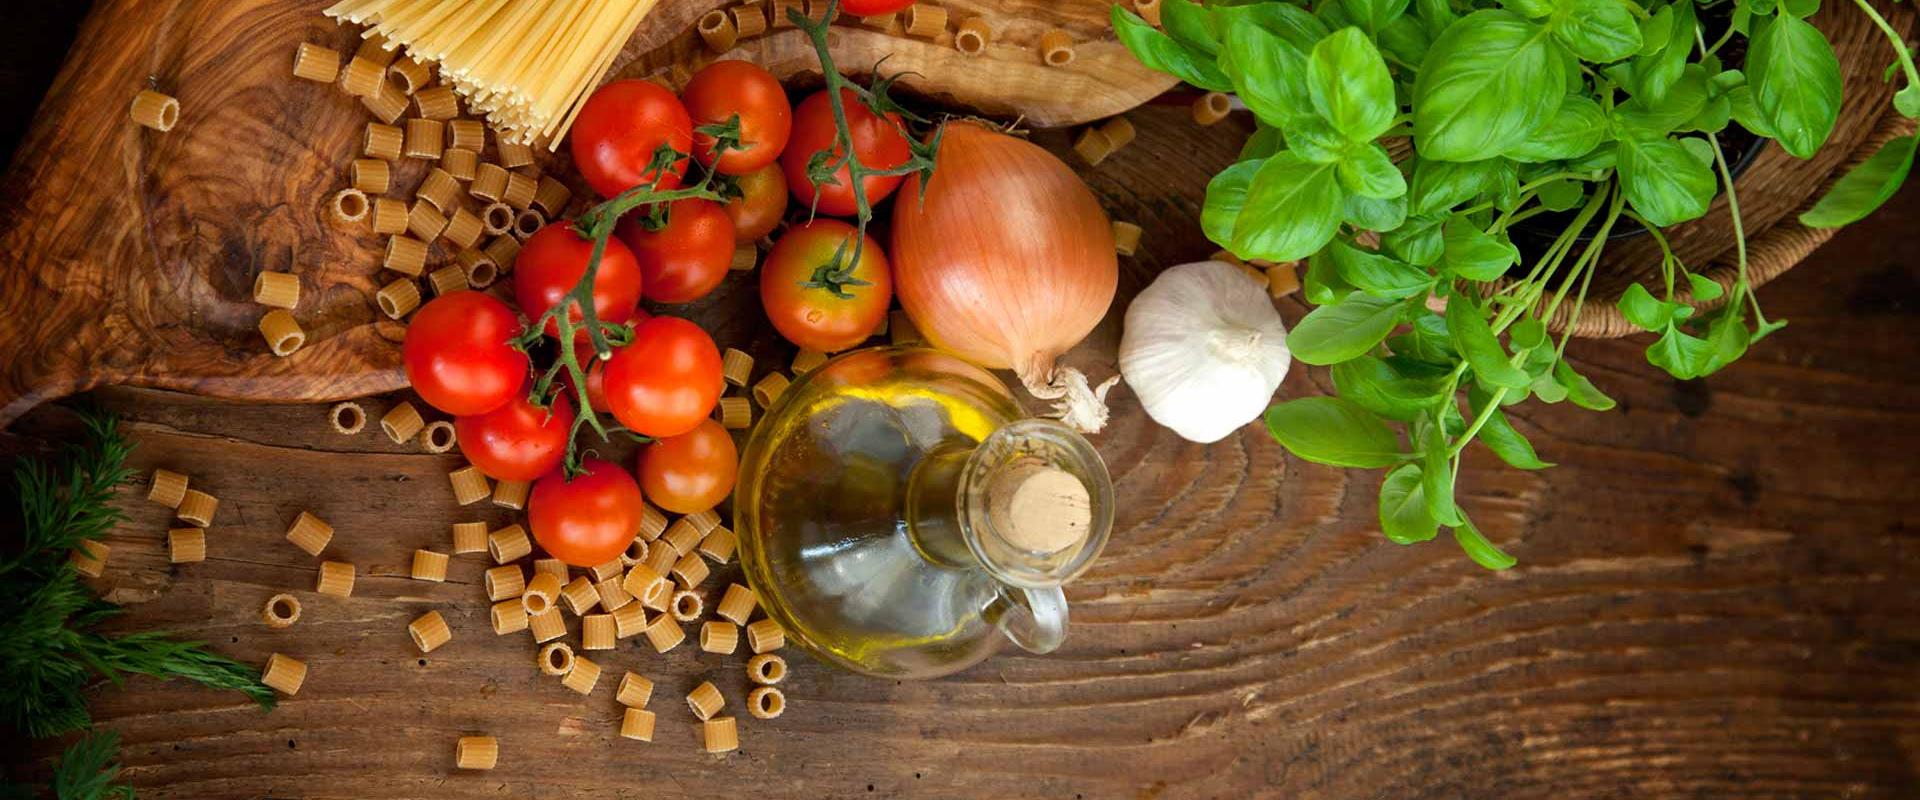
(1204, 350)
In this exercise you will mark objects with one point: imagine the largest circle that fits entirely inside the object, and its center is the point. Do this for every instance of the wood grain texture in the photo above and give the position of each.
(1715, 598)
(128, 255)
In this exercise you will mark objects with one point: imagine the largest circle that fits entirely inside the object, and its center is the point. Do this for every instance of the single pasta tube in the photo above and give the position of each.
(664, 633)
(312, 62)
(779, 12)
(363, 76)
(409, 75)
(719, 545)
(547, 627)
(429, 631)
(511, 494)
(1282, 280)
(469, 485)
(89, 557)
(766, 702)
(440, 189)
(448, 279)
(660, 558)
(373, 47)
(382, 141)
(508, 616)
(197, 507)
(167, 488)
(347, 418)
(610, 568)
(597, 632)
(480, 268)
(469, 537)
(719, 636)
(350, 205)
(282, 610)
(466, 134)
(1126, 238)
(717, 30)
(805, 360)
(282, 332)
(460, 163)
(720, 735)
(310, 533)
(704, 520)
(636, 553)
(736, 413)
(580, 596)
(550, 197)
(652, 523)
(336, 578)
(551, 566)
(1092, 146)
(497, 218)
(926, 21)
(278, 289)
(430, 566)
(387, 103)
(426, 222)
(691, 570)
(583, 676)
(646, 583)
(398, 299)
(736, 366)
(1119, 133)
(284, 674)
(1056, 48)
(1211, 108)
(766, 669)
(514, 155)
(765, 636)
(749, 20)
(880, 22)
(815, 10)
(737, 604)
(186, 545)
(489, 182)
(402, 422)
(476, 752)
(745, 258)
(426, 138)
(612, 597)
(505, 582)
(406, 255)
(682, 536)
(154, 110)
(503, 250)
(389, 215)
(629, 619)
(519, 191)
(527, 223)
(1149, 11)
(463, 231)
(634, 691)
(637, 724)
(705, 700)
(901, 330)
(509, 544)
(439, 435)
(555, 659)
(687, 605)
(769, 389)
(541, 593)
(974, 35)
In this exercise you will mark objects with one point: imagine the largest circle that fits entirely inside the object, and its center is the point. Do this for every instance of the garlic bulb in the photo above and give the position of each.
(1204, 350)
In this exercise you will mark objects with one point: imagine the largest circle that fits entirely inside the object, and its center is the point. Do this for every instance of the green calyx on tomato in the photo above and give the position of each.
(835, 275)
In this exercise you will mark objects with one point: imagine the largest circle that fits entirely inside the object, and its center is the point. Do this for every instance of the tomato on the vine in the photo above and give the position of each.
(596, 374)
(518, 441)
(816, 299)
(868, 8)
(761, 204)
(727, 89)
(687, 257)
(690, 472)
(667, 380)
(554, 260)
(877, 141)
(459, 353)
(587, 520)
(619, 130)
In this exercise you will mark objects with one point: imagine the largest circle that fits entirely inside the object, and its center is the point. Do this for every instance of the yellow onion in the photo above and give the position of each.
(1007, 261)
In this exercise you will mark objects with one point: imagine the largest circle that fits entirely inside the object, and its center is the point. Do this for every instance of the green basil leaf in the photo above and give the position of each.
(1531, 9)
(1699, 149)
(1486, 84)
(1728, 335)
(1369, 172)
(1438, 15)
(1795, 78)
(1190, 24)
(1417, 240)
(1655, 31)
(1351, 327)
(1663, 182)
(1265, 71)
(1292, 209)
(1596, 30)
(1440, 185)
(1294, 25)
(1596, 163)
(1315, 140)
(1159, 51)
(1323, 285)
(1642, 309)
(1800, 8)
(1426, 340)
(1704, 288)
(1374, 15)
(1377, 387)
(1573, 131)
(1561, 194)
(1907, 101)
(1527, 333)
(1865, 187)
(1349, 85)
(1369, 214)
(1684, 100)
(1265, 141)
(1547, 389)
(1378, 275)
(1682, 355)
(1580, 390)
(1740, 103)
(1762, 7)
(1405, 39)
(1403, 507)
(1436, 474)
(1474, 254)
(1226, 196)
(1479, 549)
(1333, 431)
(1474, 338)
(1500, 436)
(1655, 73)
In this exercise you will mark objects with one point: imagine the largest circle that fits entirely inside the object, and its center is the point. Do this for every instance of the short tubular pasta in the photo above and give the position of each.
(547, 627)
(584, 675)
(926, 21)
(463, 231)
(691, 570)
(1092, 146)
(466, 134)
(880, 22)
(611, 568)
(440, 189)
(736, 413)
(398, 298)
(765, 636)
(737, 604)
(780, 9)
(154, 110)
(439, 436)
(513, 155)
(597, 632)
(89, 558)
(186, 545)
(347, 418)
(371, 175)
(736, 367)
(426, 138)
(652, 523)
(277, 289)
(284, 674)
(511, 494)
(410, 75)
(282, 332)
(687, 605)
(373, 47)
(769, 389)
(335, 578)
(901, 330)
(480, 267)
(705, 700)
(460, 163)
(1212, 107)
(497, 218)
(429, 631)
(664, 633)
(489, 182)
(749, 20)
(973, 36)
(519, 191)
(550, 197)
(309, 533)
(387, 103)
(551, 566)
(509, 544)
(281, 611)
(508, 616)
(1149, 11)
(402, 422)
(1126, 238)
(382, 141)
(719, 636)
(469, 485)
(426, 223)
(634, 691)
(527, 223)
(580, 596)
(349, 205)
(447, 280)
(555, 659)
(719, 545)
(720, 735)
(806, 360)
(660, 558)
(645, 583)
(682, 536)
(612, 597)
(637, 724)
(636, 552)
(404, 255)
(703, 521)
(541, 593)
(476, 752)
(389, 215)
(429, 566)
(167, 488)
(766, 702)
(197, 507)
(1119, 133)
(469, 537)
(717, 30)
(745, 258)
(363, 76)
(628, 620)
(505, 582)
(767, 669)
(312, 62)
(1056, 48)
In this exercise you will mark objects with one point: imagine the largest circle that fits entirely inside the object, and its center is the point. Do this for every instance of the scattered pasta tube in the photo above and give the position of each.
(806, 360)
(282, 332)
(389, 215)
(470, 537)
(281, 611)
(440, 189)
(402, 422)
(779, 12)
(489, 183)
(719, 544)
(480, 269)
(551, 196)
(1092, 146)
(687, 605)
(519, 191)
(476, 752)
(426, 222)
(508, 616)
(370, 175)
(154, 110)
(460, 163)
(749, 20)
(690, 570)
(1119, 133)
(636, 553)
(736, 413)
(1282, 280)
(720, 735)
(555, 659)
(766, 702)
(335, 578)
(1149, 11)
(816, 10)
(629, 619)
(705, 700)
(1126, 238)
(496, 219)
(284, 674)
(167, 488)
(765, 636)
(551, 566)
(973, 37)
(547, 627)
(926, 21)
(682, 536)
(1211, 108)
(766, 669)
(582, 677)
(717, 636)
(277, 289)
(610, 568)
(373, 47)
(511, 494)
(634, 691)
(430, 566)
(439, 436)
(405, 255)
(704, 520)
(410, 75)
(769, 389)
(387, 104)
(901, 330)
(737, 604)
(463, 231)
(89, 557)
(426, 138)
(514, 155)
(527, 223)
(652, 523)
(597, 632)
(880, 22)
(469, 485)
(505, 582)
(349, 205)
(646, 583)
(309, 533)
(429, 631)
(509, 544)
(660, 558)
(541, 593)
(466, 134)
(745, 258)
(503, 250)
(1056, 48)
(197, 507)
(382, 141)
(186, 545)
(347, 418)
(664, 633)
(580, 596)
(315, 63)
(736, 366)
(612, 597)
(363, 76)
(717, 30)
(398, 299)
(637, 724)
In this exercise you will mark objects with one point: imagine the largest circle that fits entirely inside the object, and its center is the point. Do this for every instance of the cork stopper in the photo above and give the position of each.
(1040, 508)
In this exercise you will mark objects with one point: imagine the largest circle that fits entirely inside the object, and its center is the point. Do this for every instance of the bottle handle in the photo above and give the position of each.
(1035, 619)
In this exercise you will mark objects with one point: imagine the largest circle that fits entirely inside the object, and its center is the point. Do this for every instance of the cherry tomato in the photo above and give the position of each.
(867, 8)
(518, 441)
(621, 127)
(761, 204)
(687, 258)
(690, 472)
(878, 142)
(815, 300)
(459, 355)
(596, 375)
(726, 89)
(667, 380)
(588, 520)
(554, 261)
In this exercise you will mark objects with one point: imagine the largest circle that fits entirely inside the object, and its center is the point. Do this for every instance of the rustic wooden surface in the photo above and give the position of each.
(1715, 597)
(128, 255)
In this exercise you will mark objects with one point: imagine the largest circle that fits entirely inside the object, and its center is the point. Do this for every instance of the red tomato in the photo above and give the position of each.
(687, 258)
(814, 300)
(876, 141)
(588, 520)
(667, 380)
(554, 261)
(867, 8)
(459, 355)
(761, 204)
(518, 441)
(726, 89)
(619, 129)
(596, 376)
(690, 472)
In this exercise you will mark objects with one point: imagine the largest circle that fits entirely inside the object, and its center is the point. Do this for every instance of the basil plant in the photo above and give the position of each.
(1595, 116)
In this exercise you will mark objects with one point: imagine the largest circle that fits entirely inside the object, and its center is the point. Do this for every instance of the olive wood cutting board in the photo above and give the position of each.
(127, 256)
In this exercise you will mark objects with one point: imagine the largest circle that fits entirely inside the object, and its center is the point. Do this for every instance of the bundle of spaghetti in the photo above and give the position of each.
(526, 65)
